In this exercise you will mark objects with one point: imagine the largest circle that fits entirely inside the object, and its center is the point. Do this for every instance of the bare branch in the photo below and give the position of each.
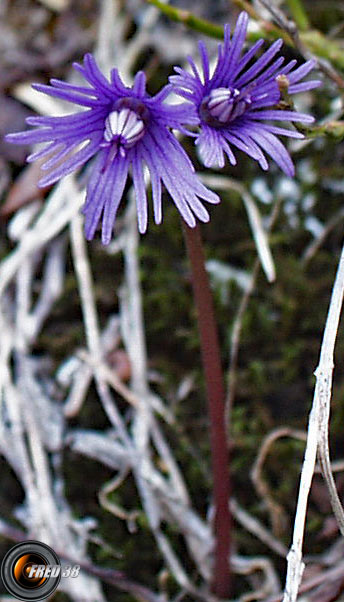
(317, 439)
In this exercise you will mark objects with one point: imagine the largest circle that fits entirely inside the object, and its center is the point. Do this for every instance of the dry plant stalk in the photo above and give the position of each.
(317, 439)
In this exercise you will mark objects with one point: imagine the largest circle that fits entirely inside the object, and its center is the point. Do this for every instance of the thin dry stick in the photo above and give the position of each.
(327, 576)
(276, 511)
(237, 326)
(260, 235)
(317, 431)
(85, 283)
(315, 245)
(291, 29)
(336, 466)
(256, 528)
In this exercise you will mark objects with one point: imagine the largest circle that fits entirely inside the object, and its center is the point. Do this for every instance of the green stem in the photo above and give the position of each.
(190, 20)
(322, 46)
(267, 30)
(332, 129)
(299, 14)
(313, 40)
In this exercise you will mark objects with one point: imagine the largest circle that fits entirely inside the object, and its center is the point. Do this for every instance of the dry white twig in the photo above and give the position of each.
(259, 233)
(317, 438)
(277, 514)
(252, 525)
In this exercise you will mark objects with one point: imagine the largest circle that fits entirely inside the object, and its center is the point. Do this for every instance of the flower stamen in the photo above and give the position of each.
(223, 105)
(123, 128)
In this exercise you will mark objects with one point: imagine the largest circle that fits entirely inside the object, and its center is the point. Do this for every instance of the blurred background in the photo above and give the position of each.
(104, 431)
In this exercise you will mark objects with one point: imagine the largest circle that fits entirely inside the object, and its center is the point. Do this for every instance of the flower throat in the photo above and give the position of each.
(124, 126)
(223, 105)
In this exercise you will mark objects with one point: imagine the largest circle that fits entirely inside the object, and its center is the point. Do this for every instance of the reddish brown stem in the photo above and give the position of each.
(211, 360)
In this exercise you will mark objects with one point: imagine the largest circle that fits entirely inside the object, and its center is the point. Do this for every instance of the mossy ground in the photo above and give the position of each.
(279, 349)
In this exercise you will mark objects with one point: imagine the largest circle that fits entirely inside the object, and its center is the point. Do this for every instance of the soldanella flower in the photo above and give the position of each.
(125, 127)
(236, 104)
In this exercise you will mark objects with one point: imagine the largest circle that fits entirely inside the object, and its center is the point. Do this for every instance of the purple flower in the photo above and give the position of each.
(124, 127)
(234, 104)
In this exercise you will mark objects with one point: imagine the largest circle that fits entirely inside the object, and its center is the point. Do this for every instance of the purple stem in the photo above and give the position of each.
(211, 359)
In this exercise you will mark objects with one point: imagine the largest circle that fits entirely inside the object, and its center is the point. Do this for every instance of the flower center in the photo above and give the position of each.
(223, 105)
(125, 126)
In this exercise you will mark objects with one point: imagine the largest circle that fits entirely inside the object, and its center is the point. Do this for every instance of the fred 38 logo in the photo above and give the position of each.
(32, 571)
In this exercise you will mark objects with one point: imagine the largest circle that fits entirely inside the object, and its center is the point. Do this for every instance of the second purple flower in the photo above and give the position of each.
(235, 104)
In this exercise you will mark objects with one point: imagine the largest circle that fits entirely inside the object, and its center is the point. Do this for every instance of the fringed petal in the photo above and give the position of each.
(140, 193)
